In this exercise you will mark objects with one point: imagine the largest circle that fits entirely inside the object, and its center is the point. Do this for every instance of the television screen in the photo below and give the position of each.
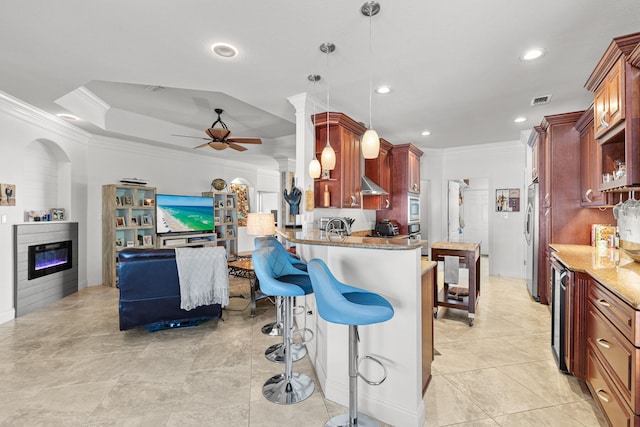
(179, 214)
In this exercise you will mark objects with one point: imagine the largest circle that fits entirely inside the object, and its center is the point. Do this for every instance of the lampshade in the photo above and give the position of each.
(314, 168)
(260, 224)
(328, 158)
(370, 144)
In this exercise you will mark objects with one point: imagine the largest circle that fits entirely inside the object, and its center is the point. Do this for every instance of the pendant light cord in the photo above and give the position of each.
(370, 67)
(328, 52)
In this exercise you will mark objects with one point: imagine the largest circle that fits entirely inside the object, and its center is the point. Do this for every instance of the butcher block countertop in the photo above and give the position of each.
(610, 267)
(319, 237)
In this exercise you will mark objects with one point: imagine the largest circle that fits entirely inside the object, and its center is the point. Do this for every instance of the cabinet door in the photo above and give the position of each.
(414, 173)
(351, 170)
(379, 170)
(609, 100)
(590, 170)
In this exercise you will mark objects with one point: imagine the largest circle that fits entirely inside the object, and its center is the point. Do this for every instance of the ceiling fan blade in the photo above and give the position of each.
(218, 145)
(201, 145)
(246, 140)
(189, 136)
(237, 147)
(217, 133)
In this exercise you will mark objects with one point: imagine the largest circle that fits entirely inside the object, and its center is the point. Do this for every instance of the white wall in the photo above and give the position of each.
(503, 165)
(33, 142)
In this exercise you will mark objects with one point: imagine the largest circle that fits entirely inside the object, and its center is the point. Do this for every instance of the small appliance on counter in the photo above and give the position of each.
(340, 225)
(386, 228)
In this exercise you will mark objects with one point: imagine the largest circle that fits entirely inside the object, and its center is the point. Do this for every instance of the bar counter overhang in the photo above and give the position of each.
(391, 268)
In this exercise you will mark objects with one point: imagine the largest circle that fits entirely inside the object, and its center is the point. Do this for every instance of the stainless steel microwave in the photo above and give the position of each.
(414, 209)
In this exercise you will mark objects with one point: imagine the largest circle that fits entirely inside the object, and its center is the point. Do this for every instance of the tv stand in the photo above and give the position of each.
(171, 240)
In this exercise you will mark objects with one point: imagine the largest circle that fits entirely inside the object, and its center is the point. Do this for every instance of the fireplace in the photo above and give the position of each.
(49, 258)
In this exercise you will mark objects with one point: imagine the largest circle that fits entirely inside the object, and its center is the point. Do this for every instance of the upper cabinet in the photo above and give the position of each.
(615, 83)
(379, 170)
(406, 171)
(344, 182)
(590, 170)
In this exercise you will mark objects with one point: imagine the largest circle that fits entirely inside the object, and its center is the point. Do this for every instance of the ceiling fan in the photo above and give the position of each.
(219, 138)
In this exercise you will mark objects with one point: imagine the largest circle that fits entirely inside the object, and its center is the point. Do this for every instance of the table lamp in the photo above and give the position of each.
(261, 224)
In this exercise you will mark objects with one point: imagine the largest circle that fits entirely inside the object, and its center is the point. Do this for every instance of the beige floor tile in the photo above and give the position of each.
(547, 417)
(447, 405)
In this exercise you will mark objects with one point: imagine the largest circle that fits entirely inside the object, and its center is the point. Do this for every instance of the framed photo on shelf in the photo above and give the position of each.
(148, 202)
(220, 204)
(146, 220)
(230, 203)
(134, 221)
(228, 219)
(147, 241)
(230, 232)
(216, 220)
(130, 244)
(57, 214)
(119, 242)
(120, 222)
(127, 200)
(118, 201)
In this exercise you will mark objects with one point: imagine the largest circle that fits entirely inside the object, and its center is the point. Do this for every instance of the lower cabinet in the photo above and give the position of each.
(613, 355)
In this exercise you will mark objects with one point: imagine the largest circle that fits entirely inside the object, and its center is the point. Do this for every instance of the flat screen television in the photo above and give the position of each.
(183, 214)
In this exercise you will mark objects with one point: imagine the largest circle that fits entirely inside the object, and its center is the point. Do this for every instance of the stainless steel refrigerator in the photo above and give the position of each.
(531, 235)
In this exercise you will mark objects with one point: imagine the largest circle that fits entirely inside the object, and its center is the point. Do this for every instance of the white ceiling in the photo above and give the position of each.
(453, 66)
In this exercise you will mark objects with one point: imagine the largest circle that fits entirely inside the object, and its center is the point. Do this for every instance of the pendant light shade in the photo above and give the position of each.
(314, 168)
(328, 158)
(370, 143)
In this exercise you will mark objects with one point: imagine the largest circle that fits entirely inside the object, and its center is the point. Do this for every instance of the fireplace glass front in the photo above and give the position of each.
(49, 258)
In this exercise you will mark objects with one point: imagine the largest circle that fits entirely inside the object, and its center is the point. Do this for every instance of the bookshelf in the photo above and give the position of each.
(225, 210)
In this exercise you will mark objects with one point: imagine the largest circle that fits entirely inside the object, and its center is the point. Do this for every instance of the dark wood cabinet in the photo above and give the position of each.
(575, 324)
(613, 355)
(405, 179)
(590, 169)
(561, 216)
(615, 83)
(379, 170)
(344, 182)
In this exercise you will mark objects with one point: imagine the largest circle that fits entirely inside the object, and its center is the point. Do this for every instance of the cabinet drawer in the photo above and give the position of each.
(616, 353)
(622, 315)
(615, 410)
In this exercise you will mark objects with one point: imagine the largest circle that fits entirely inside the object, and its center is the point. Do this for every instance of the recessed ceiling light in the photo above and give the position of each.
(224, 49)
(66, 116)
(532, 54)
(426, 133)
(519, 119)
(383, 89)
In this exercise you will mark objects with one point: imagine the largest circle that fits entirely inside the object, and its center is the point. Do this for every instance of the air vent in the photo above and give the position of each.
(540, 100)
(154, 88)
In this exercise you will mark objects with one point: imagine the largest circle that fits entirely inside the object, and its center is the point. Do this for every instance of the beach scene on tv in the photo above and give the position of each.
(178, 214)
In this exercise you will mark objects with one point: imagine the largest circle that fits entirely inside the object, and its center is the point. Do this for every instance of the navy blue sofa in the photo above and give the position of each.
(150, 292)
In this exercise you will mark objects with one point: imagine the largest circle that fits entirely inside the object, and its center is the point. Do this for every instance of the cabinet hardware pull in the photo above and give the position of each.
(603, 395)
(353, 200)
(587, 197)
(603, 343)
(388, 204)
(603, 303)
(602, 122)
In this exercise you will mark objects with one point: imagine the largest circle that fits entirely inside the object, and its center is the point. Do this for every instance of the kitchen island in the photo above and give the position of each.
(393, 268)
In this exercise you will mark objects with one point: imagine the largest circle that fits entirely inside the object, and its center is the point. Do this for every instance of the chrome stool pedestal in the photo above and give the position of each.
(274, 329)
(289, 387)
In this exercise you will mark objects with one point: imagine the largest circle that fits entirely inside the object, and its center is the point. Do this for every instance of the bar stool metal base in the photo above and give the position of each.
(278, 389)
(275, 353)
(273, 329)
(342, 420)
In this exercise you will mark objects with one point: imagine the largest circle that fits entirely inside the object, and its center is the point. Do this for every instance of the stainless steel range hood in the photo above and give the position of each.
(371, 188)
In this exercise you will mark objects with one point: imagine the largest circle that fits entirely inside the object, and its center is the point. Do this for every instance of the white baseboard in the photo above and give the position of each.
(7, 315)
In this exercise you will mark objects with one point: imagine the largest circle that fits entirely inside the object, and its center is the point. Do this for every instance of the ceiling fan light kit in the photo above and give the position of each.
(370, 141)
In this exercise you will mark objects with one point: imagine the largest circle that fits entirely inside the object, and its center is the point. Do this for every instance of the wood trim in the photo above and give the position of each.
(619, 46)
(560, 119)
(410, 147)
(634, 57)
(339, 119)
(585, 120)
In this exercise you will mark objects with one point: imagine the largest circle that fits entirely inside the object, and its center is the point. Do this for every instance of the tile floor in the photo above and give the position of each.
(68, 364)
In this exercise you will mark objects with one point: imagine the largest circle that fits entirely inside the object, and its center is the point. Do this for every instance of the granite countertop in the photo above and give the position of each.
(610, 267)
(318, 237)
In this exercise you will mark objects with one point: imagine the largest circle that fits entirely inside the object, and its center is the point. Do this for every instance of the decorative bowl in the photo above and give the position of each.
(219, 184)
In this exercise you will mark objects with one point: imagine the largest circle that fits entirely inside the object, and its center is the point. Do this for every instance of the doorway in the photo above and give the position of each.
(468, 213)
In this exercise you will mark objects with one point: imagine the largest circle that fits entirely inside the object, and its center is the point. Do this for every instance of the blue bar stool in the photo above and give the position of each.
(347, 305)
(275, 353)
(279, 278)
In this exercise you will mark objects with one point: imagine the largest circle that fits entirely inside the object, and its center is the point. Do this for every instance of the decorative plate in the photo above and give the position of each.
(219, 184)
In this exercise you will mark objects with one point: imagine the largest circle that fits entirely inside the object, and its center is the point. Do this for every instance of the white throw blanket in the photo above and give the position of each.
(203, 275)
(451, 269)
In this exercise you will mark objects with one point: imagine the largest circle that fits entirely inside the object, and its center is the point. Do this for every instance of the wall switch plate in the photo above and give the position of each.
(3, 219)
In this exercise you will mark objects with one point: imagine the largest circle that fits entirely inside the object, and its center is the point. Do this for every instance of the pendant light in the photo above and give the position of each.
(370, 140)
(328, 157)
(314, 166)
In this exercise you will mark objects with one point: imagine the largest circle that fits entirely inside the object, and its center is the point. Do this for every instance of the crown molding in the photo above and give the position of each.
(19, 109)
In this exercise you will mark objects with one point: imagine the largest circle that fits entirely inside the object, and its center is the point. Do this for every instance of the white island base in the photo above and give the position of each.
(396, 275)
